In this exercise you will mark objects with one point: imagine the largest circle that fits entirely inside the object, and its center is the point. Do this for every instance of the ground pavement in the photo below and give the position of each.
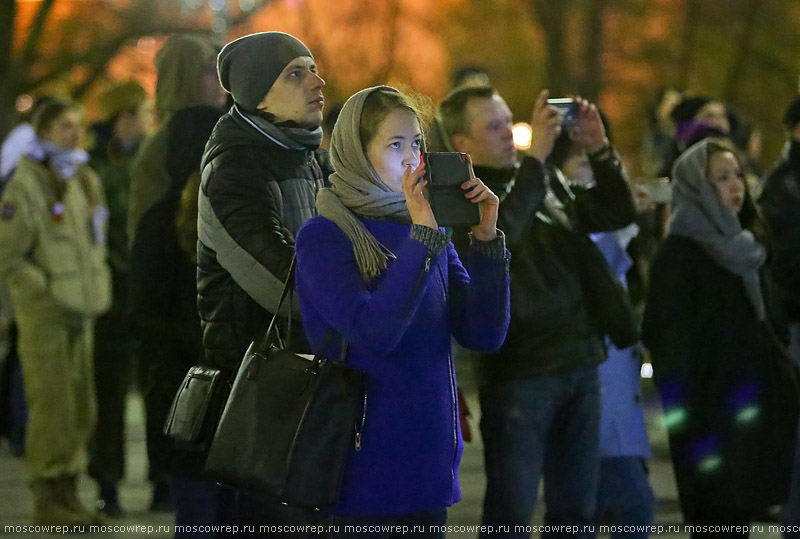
(16, 502)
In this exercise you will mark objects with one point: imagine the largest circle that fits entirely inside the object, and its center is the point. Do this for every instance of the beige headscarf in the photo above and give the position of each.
(358, 190)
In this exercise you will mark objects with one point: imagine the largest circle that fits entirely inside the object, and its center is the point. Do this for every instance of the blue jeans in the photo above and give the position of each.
(419, 525)
(624, 496)
(791, 509)
(548, 426)
(200, 502)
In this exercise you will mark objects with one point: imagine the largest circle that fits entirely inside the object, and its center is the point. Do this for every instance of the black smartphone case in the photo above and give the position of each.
(446, 171)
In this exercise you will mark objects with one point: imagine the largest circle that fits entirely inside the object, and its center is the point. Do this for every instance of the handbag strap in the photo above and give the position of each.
(273, 324)
(263, 343)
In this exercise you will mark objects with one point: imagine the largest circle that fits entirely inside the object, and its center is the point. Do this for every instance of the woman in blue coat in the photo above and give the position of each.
(375, 267)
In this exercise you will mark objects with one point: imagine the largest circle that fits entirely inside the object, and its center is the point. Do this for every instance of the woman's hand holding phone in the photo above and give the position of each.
(488, 204)
(418, 206)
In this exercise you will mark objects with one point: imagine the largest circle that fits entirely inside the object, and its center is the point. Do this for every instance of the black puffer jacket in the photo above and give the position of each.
(780, 204)
(254, 197)
(550, 331)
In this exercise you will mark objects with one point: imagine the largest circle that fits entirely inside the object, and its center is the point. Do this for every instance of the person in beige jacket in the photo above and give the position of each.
(53, 257)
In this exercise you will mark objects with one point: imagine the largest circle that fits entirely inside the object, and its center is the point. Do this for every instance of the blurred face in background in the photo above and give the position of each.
(578, 169)
(714, 114)
(727, 177)
(212, 89)
(490, 140)
(65, 131)
(134, 125)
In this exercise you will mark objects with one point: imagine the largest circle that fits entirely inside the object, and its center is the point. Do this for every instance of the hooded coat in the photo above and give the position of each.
(181, 65)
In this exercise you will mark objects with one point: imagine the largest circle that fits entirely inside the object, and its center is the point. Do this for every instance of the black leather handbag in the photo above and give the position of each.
(196, 408)
(289, 424)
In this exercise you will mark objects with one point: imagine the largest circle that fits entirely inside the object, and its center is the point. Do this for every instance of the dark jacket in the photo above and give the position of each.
(725, 385)
(254, 196)
(111, 162)
(550, 331)
(780, 205)
(164, 319)
(398, 330)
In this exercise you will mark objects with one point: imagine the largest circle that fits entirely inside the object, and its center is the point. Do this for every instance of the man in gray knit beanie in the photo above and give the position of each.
(250, 67)
(261, 172)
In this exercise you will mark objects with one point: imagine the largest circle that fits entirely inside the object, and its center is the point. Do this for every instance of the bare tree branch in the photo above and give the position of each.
(8, 18)
(592, 83)
(36, 31)
(691, 22)
(393, 23)
(551, 16)
(745, 43)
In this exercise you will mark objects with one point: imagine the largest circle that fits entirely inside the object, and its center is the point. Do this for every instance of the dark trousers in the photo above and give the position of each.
(710, 521)
(541, 427)
(429, 525)
(200, 502)
(112, 372)
(624, 496)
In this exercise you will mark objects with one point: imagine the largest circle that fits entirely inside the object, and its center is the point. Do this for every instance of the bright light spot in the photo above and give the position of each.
(710, 463)
(674, 418)
(747, 415)
(219, 25)
(24, 103)
(216, 5)
(522, 135)
(646, 370)
(247, 5)
(146, 44)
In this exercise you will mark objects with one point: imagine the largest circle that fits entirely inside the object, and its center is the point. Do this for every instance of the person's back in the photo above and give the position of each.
(186, 77)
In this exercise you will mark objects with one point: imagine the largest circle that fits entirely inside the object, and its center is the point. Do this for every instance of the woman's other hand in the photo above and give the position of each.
(488, 203)
(418, 207)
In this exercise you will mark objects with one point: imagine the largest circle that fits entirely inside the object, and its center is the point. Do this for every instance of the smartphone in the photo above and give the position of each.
(567, 108)
(445, 172)
(658, 189)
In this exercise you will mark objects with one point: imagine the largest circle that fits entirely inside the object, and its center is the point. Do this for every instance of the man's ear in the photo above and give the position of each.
(460, 143)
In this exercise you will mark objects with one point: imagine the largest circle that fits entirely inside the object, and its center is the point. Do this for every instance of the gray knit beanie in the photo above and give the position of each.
(249, 66)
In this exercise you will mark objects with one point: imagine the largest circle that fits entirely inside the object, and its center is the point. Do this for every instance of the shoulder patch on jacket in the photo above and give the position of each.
(7, 211)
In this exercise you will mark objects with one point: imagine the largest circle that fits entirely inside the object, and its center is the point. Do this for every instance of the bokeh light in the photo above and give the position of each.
(24, 103)
(647, 370)
(522, 135)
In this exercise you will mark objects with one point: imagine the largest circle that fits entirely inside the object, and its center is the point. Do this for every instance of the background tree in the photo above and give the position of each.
(42, 42)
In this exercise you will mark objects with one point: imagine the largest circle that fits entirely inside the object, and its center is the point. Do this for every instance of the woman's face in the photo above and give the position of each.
(714, 114)
(727, 178)
(65, 131)
(578, 169)
(395, 146)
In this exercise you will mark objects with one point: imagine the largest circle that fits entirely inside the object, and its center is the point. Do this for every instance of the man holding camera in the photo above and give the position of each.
(539, 394)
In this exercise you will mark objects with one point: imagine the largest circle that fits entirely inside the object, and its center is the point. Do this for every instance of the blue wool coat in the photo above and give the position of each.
(622, 427)
(398, 329)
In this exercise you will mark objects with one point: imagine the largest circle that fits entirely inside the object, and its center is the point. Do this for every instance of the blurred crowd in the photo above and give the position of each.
(160, 237)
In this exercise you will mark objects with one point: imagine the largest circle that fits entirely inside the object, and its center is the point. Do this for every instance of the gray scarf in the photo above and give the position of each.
(698, 213)
(288, 138)
(357, 189)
